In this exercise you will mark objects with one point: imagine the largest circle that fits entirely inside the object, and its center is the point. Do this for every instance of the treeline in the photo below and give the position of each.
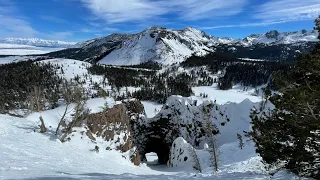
(271, 52)
(163, 85)
(251, 73)
(153, 85)
(122, 77)
(19, 80)
(214, 61)
(238, 71)
(287, 136)
(147, 65)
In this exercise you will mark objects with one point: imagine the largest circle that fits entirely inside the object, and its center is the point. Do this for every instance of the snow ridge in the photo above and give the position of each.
(168, 46)
(37, 42)
(159, 44)
(275, 37)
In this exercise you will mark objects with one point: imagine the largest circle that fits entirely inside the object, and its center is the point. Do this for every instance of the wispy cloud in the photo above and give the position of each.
(116, 11)
(60, 35)
(278, 12)
(13, 25)
(53, 19)
(288, 10)
(242, 25)
(205, 9)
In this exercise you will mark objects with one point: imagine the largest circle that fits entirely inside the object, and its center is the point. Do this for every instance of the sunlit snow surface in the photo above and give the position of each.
(18, 49)
(25, 154)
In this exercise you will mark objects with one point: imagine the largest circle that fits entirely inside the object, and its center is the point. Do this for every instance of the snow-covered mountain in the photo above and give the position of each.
(158, 44)
(102, 40)
(37, 42)
(275, 37)
(169, 46)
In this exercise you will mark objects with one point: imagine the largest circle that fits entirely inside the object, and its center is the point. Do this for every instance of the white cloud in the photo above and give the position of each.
(278, 12)
(60, 35)
(115, 11)
(11, 24)
(242, 25)
(124, 10)
(288, 10)
(206, 9)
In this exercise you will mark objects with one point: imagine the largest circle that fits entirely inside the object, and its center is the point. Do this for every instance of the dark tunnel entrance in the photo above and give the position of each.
(158, 147)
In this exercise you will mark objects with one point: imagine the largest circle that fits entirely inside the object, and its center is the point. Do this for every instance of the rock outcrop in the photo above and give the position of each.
(179, 117)
(128, 128)
(114, 125)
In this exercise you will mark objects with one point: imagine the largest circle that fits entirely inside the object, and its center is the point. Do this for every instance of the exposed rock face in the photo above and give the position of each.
(111, 121)
(272, 34)
(136, 159)
(127, 126)
(114, 124)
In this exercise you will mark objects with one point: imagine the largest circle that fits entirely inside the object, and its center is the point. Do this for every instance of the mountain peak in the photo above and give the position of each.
(273, 34)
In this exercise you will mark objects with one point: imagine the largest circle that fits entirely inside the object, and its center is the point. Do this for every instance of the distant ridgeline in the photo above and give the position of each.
(169, 46)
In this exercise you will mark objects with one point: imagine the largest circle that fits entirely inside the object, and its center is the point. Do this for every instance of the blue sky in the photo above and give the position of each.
(78, 20)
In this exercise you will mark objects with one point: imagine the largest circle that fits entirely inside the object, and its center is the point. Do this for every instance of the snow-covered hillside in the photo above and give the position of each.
(158, 44)
(168, 46)
(28, 154)
(102, 40)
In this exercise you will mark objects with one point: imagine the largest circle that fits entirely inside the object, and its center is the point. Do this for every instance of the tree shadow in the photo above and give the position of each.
(36, 129)
(102, 176)
(125, 176)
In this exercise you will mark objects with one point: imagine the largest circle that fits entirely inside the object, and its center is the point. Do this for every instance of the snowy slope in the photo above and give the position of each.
(11, 59)
(102, 40)
(158, 44)
(27, 154)
(169, 46)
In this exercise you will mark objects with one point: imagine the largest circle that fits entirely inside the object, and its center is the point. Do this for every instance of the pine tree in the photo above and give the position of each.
(288, 136)
(241, 144)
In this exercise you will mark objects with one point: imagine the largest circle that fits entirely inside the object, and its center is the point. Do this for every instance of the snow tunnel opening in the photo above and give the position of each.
(152, 158)
(161, 149)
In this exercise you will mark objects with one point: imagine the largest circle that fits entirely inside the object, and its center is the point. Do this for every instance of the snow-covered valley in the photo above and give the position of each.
(151, 105)
(32, 46)
(28, 154)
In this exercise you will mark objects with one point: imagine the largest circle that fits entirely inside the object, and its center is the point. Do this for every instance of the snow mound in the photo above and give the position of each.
(180, 154)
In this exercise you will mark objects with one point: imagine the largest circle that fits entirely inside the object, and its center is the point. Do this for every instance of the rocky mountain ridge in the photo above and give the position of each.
(168, 46)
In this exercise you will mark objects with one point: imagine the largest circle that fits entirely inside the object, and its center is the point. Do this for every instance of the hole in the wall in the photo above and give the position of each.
(152, 158)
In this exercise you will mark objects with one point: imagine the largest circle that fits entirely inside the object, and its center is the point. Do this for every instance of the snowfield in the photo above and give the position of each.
(18, 49)
(27, 154)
